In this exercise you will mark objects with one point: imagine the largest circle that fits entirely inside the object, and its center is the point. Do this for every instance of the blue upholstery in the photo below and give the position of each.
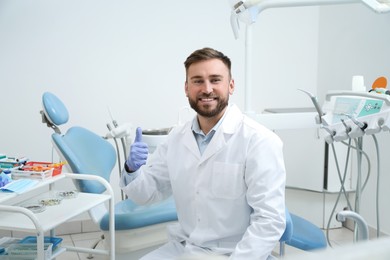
(54, 109)
(89, 153)
(128, 215)
(306, 235)
(302, 234)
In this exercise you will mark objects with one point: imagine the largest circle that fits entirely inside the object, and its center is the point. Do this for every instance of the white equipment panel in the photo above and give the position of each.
(354, 114)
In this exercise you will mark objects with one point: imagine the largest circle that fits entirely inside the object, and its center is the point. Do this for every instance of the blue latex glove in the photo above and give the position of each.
(138, 152)
(3, 181)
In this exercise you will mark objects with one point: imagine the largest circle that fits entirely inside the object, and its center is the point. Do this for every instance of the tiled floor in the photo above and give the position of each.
(81, 240)
(338, 237)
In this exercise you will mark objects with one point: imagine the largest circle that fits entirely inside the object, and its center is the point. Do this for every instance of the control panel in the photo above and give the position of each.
(350, 114)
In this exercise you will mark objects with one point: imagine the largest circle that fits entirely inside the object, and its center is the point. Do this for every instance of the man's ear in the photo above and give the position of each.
(186, 88)
(231, 86)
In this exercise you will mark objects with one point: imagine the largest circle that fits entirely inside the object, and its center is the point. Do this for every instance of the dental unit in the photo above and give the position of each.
(352, 115)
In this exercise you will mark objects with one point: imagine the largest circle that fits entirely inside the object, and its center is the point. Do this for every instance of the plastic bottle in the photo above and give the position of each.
(358, 84)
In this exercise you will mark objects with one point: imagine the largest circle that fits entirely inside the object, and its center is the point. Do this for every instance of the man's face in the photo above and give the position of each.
(208, 87)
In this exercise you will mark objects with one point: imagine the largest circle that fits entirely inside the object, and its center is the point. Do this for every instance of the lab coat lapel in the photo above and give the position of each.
(190, 142)
(216, 144)
(229, 125)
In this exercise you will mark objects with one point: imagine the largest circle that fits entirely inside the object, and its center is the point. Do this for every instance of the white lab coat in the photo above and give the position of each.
(231, 198)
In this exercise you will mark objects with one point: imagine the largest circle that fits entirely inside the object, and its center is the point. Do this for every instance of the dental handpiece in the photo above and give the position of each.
(315, 103)
(358, 123)
(347, 128)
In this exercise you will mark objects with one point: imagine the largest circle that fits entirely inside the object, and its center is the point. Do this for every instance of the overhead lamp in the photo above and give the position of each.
(247, 11)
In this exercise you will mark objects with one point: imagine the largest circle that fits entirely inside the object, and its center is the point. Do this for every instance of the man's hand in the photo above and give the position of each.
(138, 152)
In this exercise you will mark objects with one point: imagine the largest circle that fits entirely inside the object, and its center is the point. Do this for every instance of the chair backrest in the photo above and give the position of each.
(87, 153)
(84, 151)
(54, 112)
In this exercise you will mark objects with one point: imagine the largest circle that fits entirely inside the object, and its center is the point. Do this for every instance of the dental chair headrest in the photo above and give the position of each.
(54, 112)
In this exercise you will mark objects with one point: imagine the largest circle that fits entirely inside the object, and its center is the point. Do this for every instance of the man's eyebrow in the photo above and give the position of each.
(196, 77)
(211, 76)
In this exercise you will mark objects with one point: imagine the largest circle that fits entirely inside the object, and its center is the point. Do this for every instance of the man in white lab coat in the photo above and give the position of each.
(225, 171)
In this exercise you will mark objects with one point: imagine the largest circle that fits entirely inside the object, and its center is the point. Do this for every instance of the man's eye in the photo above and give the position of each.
(198, 81)
(215, 80)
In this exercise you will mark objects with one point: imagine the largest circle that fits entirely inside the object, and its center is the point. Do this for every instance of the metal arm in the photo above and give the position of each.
(247, 11)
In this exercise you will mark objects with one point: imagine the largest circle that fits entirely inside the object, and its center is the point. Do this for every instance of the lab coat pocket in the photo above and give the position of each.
(227, 180)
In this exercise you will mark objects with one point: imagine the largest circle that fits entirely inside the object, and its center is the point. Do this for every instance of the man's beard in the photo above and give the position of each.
(204, 111)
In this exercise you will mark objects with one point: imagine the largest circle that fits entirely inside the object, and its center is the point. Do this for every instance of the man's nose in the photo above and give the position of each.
(207, 88)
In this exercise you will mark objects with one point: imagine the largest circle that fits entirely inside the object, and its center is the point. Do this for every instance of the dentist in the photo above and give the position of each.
(225, 171)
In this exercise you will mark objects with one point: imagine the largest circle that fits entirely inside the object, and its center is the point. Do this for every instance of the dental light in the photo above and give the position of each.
(247, 11)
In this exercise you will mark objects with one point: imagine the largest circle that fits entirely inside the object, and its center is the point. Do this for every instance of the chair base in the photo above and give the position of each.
(139, 238)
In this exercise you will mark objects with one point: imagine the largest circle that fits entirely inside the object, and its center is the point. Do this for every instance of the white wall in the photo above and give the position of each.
(128, 55)
(354, 40)
(94, 54)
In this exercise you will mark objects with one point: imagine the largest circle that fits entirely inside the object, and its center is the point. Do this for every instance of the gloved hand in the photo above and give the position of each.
(138, 152)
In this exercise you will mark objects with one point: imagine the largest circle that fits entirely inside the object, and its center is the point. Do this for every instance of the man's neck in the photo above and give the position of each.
(207, 123)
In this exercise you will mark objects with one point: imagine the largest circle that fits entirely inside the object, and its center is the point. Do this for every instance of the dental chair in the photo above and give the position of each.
(305, 235)
(137, 228)
(301, 234)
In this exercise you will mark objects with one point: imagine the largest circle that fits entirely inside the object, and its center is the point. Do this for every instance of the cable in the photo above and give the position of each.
(343, 179)
(368, 163)
(360, 188)
(359, 145)
(342, 188)
(377, 186)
